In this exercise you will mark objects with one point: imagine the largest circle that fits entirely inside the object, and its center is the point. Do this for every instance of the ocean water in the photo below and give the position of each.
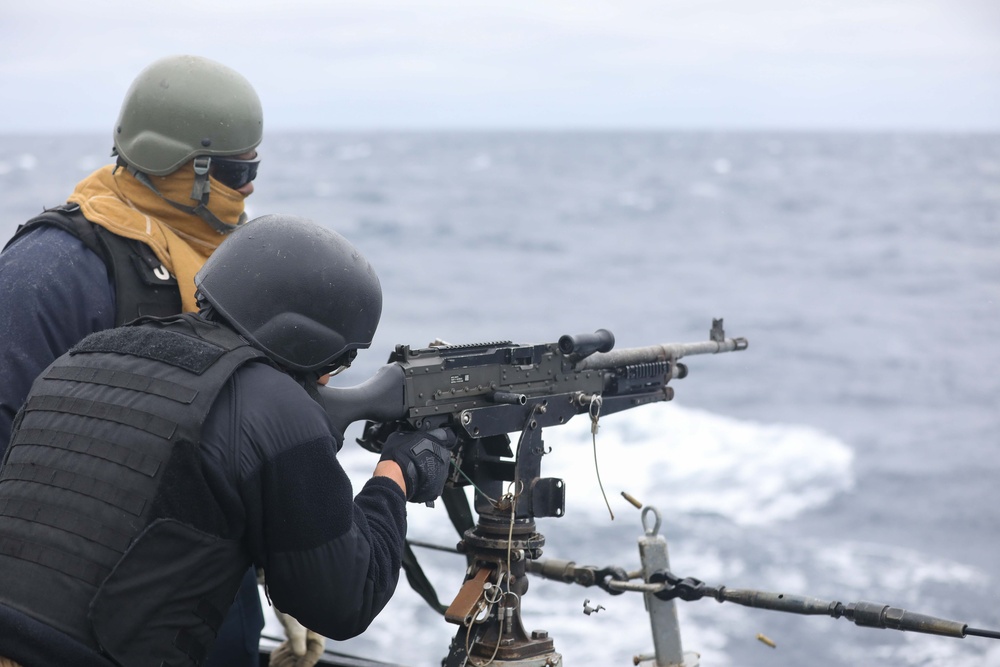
(851, 453)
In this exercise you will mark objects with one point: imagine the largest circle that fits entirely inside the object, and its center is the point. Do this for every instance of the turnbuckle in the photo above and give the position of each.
(687, 588)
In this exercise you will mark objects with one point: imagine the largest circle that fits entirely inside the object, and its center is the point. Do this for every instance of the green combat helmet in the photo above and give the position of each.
(184, 107)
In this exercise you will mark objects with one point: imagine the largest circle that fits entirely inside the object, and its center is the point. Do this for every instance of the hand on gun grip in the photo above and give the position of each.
(424, 457)
(375, 433)
(301, 648)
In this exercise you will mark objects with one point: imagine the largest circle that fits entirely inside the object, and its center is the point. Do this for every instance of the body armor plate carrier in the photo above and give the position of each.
(117, 539)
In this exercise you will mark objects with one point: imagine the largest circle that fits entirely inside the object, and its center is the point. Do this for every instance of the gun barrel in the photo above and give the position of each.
(639, 355)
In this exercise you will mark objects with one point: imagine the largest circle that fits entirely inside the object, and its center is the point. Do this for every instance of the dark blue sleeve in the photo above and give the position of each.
(53, 293)
(331, 559)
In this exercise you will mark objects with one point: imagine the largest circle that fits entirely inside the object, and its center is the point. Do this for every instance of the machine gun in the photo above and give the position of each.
(485, 392)
(490, 389)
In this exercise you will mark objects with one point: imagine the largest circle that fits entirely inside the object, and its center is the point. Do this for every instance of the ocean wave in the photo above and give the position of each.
(693, 461)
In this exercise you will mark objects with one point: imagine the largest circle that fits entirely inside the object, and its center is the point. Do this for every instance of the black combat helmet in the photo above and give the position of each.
(298, 291)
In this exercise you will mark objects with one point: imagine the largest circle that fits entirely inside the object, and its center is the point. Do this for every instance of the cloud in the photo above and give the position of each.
(452, 63)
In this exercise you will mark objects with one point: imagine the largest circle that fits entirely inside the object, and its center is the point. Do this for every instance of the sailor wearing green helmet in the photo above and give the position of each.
(130, 239)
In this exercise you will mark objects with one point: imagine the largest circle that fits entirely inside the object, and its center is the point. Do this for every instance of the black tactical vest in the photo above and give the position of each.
(143, 286)
(111, 532)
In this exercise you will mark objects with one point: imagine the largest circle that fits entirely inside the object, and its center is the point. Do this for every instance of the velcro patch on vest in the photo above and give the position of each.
(169, 347)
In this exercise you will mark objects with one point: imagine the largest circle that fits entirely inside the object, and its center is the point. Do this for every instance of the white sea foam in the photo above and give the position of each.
(867, 566)
(687, 460)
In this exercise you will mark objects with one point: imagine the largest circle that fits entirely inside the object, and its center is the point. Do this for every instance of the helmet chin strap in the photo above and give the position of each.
(199, 192)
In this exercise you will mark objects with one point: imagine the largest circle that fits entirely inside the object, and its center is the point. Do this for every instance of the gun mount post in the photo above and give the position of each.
(488, 607)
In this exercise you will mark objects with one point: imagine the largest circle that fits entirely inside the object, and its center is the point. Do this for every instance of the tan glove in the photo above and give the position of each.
(301, 648)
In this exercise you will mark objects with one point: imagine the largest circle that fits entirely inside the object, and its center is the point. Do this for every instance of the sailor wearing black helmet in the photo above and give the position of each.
(154, 463)
(130, 239)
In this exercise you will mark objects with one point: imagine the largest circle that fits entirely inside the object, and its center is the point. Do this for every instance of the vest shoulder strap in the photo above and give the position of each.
(143, 286)
(69, 218)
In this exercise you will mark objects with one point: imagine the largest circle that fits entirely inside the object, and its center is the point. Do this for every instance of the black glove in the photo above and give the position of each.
(424, 457)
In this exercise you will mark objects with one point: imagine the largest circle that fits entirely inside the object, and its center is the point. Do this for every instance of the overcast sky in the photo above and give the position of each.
(630, 64)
